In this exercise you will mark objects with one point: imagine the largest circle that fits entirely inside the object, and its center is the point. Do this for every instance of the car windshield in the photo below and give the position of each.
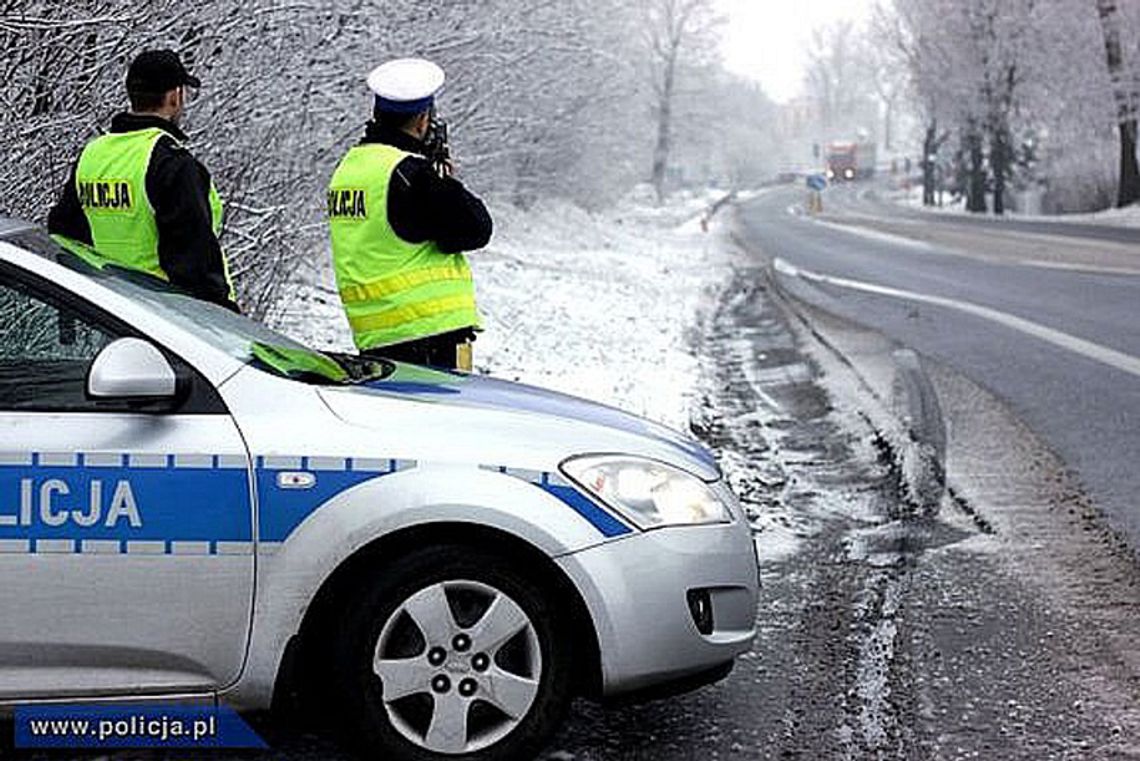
(240, 337)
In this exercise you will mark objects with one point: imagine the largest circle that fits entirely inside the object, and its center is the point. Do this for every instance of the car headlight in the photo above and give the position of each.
(645, 492)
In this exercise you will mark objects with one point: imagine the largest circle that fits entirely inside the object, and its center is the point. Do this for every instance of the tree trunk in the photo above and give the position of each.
(1123, 91)
(928, 149)
(887, 123)
(664, 128)
(999, 165)
(976, 181)
(1129, 192)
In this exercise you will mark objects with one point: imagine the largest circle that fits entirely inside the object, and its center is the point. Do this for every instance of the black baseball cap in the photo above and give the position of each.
(158, 71)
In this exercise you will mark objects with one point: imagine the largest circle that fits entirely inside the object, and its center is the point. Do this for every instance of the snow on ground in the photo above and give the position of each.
(595, 305)
(912, 197)
(1127, 217)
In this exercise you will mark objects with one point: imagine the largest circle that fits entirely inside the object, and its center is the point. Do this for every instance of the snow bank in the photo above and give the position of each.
(595, 305)
(1127, 217)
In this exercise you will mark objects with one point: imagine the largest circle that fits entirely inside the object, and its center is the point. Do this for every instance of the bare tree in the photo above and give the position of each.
(1126, 91)
(677, 29)
(904, 37)
(834, 75)
(888, 80)
(543, 99)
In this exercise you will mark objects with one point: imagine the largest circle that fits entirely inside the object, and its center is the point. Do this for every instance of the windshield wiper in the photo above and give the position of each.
(299, 363)
(362, 369)
(312, 366)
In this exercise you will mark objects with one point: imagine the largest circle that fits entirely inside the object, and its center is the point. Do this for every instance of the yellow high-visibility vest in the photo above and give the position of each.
(110, 180)
(392, 290)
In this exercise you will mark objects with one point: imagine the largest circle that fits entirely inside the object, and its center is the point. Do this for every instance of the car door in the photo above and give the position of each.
(126, 560)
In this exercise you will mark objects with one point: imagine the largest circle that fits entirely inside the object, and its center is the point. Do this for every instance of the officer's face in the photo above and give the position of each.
(423, 121)
(179, 104)
(172, 105)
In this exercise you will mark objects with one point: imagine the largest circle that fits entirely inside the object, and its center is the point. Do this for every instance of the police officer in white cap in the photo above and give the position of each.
(400, 224)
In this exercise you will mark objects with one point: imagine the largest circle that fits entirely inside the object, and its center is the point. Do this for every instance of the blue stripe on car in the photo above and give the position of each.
(174, 503)
(193, 505)
(599, 518)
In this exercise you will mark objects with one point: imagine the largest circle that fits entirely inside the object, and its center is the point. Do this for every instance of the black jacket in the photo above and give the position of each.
(178, 187)
(424, 206)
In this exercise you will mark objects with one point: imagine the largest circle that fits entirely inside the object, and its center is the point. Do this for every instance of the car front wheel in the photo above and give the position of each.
(451, 652)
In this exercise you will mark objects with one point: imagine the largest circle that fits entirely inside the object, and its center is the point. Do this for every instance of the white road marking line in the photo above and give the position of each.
(1094, 351)
(902, 240)
(866, 232)
(1077, 267)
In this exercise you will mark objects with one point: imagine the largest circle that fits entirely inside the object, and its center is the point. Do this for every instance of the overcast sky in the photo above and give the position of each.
(766, 39)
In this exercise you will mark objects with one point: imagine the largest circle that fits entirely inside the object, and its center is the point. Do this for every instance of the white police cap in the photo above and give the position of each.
(405, 85)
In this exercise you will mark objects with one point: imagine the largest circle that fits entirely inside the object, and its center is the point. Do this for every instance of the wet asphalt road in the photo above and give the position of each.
(986, 224)
(1088, 411)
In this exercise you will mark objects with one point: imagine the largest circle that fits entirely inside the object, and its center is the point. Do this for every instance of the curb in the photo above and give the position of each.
(917, 446)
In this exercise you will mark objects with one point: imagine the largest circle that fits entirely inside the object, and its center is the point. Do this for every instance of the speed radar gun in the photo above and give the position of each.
(436, 148)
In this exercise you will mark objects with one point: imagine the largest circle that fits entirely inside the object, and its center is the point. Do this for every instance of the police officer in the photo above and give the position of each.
(399, 227)
(139, 198)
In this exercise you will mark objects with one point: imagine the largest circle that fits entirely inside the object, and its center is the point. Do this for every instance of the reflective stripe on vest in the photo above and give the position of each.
(110, 181)
(392, 290)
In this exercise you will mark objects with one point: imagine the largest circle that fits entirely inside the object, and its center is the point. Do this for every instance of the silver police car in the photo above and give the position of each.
(193, 506)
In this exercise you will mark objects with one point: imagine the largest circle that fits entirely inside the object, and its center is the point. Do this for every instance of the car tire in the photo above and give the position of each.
(425, 666)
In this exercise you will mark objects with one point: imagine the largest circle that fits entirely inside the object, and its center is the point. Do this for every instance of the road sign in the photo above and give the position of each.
(816, 181)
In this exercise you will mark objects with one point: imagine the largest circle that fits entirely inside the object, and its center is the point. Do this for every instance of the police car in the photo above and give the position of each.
(192, 505)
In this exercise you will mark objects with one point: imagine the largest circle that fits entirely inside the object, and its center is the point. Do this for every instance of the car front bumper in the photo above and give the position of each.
(640, 589)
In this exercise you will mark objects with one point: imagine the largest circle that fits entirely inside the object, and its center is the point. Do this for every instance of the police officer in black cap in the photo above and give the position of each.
(138, 199)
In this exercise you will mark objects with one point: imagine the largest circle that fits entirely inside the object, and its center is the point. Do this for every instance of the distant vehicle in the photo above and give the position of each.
(195, 507)
(850, 160)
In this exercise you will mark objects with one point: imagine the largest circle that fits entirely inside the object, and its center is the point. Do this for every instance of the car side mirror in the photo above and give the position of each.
(132, 370)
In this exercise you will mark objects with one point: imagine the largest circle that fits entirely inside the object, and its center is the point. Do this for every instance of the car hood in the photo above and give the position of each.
(579, 425)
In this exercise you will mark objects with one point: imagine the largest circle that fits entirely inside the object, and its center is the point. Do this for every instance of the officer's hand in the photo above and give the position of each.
(446, 168)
